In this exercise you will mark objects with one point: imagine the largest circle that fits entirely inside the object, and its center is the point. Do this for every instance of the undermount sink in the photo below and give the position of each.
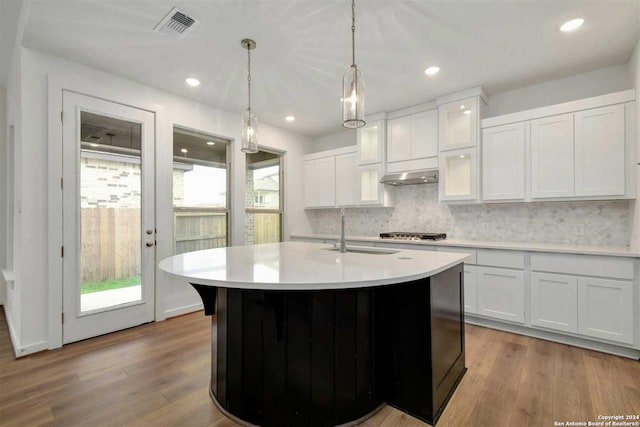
(364, 250)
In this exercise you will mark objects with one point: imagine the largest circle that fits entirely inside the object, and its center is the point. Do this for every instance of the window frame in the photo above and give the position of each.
(226, 210)
(280, 211)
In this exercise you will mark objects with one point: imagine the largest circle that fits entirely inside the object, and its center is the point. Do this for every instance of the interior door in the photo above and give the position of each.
(108, 216)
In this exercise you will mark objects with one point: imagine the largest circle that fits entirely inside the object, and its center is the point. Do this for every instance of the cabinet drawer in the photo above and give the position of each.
(470, 252)
(412, 165)
(583, 265)
(501, 259)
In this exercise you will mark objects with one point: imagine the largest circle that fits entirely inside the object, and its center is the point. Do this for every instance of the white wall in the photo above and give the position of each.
(13, 246)
(341, 139)
(179, 297)
(3, 188)
(634, 76)
(593, 83)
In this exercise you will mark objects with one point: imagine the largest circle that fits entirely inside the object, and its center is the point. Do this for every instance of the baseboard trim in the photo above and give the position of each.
(551, 336)
(18, 350)
(179, 311)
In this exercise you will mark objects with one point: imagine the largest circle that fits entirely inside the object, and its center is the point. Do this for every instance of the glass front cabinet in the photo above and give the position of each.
(459, 124)
(459, 175)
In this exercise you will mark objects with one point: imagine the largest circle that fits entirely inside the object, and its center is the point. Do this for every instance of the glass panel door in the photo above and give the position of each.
(108, 216)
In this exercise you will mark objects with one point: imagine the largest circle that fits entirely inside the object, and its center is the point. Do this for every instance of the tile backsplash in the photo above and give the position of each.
(416, 208)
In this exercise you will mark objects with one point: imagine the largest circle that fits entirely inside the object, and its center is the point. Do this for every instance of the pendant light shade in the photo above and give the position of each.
(353, 85)
(249, 131)
(249, 118)
(353, 98)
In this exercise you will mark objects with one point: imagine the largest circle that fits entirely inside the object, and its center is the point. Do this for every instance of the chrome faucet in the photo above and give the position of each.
(343, 243)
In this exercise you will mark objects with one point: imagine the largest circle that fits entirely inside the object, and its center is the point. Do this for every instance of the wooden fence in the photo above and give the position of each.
(110, 238)
(110, 243)
(195, 230)
(266, 228)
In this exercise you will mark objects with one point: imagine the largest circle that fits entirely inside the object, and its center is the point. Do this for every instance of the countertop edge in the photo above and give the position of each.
(559, 248)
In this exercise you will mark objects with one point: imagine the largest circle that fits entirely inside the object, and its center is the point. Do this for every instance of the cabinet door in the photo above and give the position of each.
(458, 175)
(606, 309)
(503, 162)
(320, 182)
(554, 301)
(501, 293)
(600, 151)
(470, 289)
(370, 187)
(399, 139)
(458, 124)
(348, 188)
(369, 139)
(552, 157)
(424, 134)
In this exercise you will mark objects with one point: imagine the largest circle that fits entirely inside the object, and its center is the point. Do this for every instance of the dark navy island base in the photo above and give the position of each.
(334, 357)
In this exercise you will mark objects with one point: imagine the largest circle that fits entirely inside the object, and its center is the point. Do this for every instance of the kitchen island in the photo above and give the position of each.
(306, 335)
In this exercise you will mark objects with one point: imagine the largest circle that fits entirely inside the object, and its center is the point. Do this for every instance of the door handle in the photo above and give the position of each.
(149, 244)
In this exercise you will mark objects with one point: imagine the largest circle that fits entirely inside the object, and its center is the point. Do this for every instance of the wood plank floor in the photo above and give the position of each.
(157, 375)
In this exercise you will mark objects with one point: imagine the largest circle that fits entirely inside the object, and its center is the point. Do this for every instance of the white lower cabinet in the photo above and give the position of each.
(501, 293)
(605, 309)
(554, 301)
(470, 289)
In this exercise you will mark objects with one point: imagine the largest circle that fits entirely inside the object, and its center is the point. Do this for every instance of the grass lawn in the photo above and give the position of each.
(91, 287)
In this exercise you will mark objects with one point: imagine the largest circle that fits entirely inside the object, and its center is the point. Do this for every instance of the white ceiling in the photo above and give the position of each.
(304, 48)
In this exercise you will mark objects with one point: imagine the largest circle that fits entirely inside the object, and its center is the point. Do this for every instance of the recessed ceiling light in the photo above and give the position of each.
(572, 25)
(462, 107)
(466, 112)
(290, 118)
(184, 150)
(211, 143)
(192, 82)
(462, 156)
(432, 71)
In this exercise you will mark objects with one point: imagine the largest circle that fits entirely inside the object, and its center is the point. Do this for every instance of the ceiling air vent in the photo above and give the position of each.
(176, 24)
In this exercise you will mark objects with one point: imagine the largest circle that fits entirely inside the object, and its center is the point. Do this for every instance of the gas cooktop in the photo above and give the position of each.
(404, 235)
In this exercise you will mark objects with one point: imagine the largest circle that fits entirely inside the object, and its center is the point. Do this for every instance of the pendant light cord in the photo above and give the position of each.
(353, 32)
(249, 73)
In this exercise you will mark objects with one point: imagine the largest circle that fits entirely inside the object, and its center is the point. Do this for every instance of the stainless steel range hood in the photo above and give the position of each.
(411, 178)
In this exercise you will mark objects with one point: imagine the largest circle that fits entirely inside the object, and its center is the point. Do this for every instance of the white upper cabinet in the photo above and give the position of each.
(348, 188)
(424, 134)
(320, 182)
(503, 162)
(552, 157)
(399, 139)
(578, 150)
(600, 151)
(370, 141)
(412, 142)
(459, 124)
(333, 178)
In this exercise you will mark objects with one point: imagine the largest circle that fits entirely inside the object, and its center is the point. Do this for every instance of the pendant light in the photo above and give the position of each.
(249, 118)
(353, 85)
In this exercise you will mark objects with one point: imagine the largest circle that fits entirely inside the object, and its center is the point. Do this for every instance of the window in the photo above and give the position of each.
(264, 197)
(200, 191)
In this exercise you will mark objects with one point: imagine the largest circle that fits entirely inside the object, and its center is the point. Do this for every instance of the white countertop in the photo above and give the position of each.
(618, 251)
(304, 266)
